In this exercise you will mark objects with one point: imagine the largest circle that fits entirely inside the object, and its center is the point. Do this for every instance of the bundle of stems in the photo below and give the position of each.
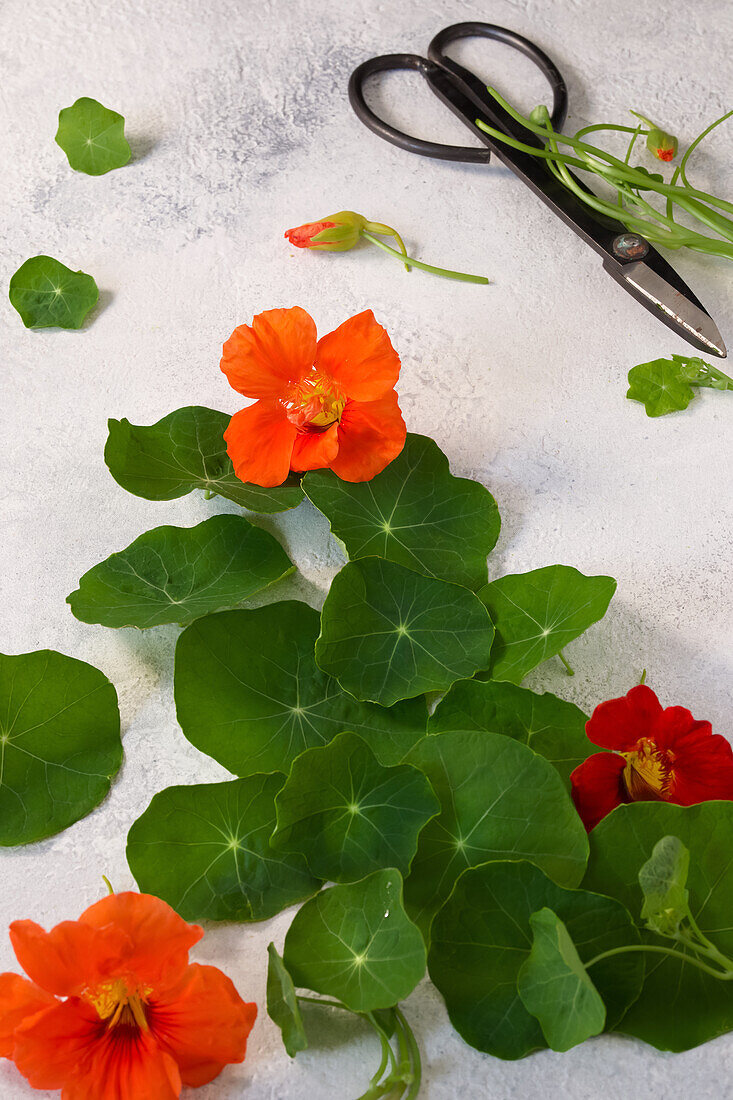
(631, 207)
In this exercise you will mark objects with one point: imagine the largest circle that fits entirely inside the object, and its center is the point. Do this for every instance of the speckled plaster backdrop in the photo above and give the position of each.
(240, 127)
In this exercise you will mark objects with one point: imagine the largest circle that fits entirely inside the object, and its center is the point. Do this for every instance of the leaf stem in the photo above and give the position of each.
(444, 271)
(570, 671)
(723, 976)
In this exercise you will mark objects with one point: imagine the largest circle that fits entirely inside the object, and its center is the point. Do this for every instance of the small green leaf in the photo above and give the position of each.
(388, 633)
(185, 451)
(93, 137)
(536, 614)
(554, 985)
(481, 937)
(356, 943)
(176, 574)
(248, 692)
(47, 294)
(654, 177)
(548, 725)
(205, 849)
(679, 1006)
(59, 743)
(282, 1004)
(348, 815)
(499, 801)
(662, 879)
(660, 387)
(415, 513)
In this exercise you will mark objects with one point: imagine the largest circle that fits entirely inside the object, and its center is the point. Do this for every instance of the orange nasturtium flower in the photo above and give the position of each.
(319, 403)
(137, 1021)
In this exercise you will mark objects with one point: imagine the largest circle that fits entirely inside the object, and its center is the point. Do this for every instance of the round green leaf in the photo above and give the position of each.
(556, 988)
(356, 943)
(185, 451)
(388, 633)
(499, 800)
(415, 513)
(206, 851)
(93, 137)
(680, 1006)
(282, 1004)
(248, 693)
(481, 937)
(548, 725)
(59, 743)
(176, 574)
(660, 386)
(536, 614)
(348, 815)
(47, 294)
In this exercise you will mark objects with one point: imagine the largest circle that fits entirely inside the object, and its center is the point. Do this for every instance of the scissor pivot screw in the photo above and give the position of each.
(630, 246)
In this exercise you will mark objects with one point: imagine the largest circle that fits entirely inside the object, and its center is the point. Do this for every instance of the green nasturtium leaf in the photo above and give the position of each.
(679, 1006)
(282, 1004)
(93, 137)
(415, 513)
(176, 574)
(662, 879)
(536, 614)
(481, 937)
(550, 726)
(248, 692)
(659, 387)
(185, 451)
(356, 943)
(59, 743)
(388, 633)
(205, 849)
(47, 294)
(499, 800)
(555, 987)
(348, 815)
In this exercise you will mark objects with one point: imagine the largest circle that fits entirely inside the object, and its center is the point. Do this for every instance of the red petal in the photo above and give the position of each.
(264, 359)
(620, 723)
(159, 939)
(302, 235)
(260, 442)
(315, 450)
(370, 436)
(702, 770)
(203, 1024)
(19, 1001)
(597, 786)
(359, 356)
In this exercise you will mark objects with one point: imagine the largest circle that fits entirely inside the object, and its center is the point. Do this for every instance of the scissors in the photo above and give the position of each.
(628, 257)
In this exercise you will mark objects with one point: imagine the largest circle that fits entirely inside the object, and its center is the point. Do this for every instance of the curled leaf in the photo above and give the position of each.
(662, 879)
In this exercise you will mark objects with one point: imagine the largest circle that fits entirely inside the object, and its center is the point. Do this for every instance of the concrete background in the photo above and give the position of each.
(240, 127)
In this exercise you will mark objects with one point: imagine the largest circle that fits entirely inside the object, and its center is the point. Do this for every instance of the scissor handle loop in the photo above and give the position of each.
(390, 62)
(436, 66)
(436, 53)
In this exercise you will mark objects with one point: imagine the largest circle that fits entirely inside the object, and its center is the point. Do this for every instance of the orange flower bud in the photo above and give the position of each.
(336, 233)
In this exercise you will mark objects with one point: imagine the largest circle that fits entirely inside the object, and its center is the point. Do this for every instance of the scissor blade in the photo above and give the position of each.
(675, 308)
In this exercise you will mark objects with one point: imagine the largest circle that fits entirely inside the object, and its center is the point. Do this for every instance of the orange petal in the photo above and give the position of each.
(159, 940)
(19, 1001)
(359, 356)
(370, 436)
(70, 957)
(51, 1047)
(263, 359)
(315, 450)
(203, 1024)
(260, 442)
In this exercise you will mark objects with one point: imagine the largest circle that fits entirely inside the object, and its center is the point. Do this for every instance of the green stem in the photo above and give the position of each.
(415, 1058)
(696, 142)
(208, 494)
(643, 677)
(570, 671)
(323, 1001)
(388, 231)
(727, 976)
(445, 272)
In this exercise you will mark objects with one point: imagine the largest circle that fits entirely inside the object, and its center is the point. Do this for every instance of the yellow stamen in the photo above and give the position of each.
(647, 773)
(118, 1004)
(314, 404)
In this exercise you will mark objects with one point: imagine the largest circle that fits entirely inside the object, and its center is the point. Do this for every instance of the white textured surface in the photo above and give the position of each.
(239, 123)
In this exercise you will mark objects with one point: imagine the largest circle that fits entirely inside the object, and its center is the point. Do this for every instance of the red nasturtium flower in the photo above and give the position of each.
(661, 755)
(137, 1020)
(328, 402)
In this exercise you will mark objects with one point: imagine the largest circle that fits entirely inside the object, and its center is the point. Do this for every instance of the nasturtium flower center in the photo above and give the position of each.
(647, 772)
(115, 1002)
(314, 404)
